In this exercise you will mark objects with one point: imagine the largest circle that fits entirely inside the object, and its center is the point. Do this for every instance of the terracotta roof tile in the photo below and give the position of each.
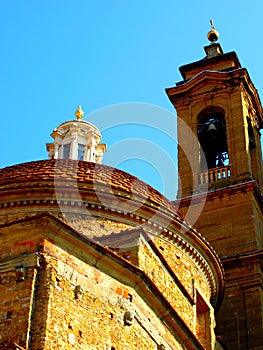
(84, 173)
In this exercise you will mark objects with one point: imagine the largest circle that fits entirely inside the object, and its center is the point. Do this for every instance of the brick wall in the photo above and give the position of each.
(189, 273)
(78, 296)
(16, 299)
(83, 308)
(150, 263)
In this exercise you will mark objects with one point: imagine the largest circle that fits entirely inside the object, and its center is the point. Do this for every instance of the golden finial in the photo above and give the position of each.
(79, 113)
(213, 34)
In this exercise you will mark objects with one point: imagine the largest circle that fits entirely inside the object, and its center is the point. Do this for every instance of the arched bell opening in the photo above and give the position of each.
(211, 130)
(252, 149)
(251, 136)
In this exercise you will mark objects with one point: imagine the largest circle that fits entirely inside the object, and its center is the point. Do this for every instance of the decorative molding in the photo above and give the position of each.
(10, 264)
(127, 218)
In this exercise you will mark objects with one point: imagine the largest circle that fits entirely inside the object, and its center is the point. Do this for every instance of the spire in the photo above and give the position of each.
(214, 49)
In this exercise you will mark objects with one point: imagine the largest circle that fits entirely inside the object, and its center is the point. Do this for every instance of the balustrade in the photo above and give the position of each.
(214, 175)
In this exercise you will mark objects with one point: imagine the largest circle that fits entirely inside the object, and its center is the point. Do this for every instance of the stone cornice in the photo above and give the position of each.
(187, 239)
(230, 58)
(221, 192)
(231, 78)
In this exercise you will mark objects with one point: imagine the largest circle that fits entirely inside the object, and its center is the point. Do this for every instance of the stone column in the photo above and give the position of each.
(74, 146)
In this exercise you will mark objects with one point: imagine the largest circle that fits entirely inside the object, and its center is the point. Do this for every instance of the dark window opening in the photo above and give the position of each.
(66, 151)
(203, 321)
(81, 151)
(211, 130)
(252, 140)
(253, 158)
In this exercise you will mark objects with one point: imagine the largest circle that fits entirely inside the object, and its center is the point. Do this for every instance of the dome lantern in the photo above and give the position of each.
(77, 140)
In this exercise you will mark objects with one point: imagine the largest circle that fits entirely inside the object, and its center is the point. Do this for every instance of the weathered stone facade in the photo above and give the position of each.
(100, 275)
(218, 105)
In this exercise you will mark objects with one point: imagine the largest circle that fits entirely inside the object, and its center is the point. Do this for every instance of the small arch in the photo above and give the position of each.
(211, 131)
(252, 149)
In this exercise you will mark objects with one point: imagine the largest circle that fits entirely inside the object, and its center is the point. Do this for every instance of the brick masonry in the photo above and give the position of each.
(71, 299)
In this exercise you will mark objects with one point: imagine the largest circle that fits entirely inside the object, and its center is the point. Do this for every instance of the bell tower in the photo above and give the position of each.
(220, 164)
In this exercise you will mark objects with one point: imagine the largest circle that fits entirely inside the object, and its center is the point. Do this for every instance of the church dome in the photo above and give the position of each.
(57, 181)
(101, 202)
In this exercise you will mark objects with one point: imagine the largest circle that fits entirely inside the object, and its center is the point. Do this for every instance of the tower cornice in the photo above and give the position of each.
(219, 62)
(222, 192)
(219, 80)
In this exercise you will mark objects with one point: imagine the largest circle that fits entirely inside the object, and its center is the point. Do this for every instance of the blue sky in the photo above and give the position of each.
(57, 54)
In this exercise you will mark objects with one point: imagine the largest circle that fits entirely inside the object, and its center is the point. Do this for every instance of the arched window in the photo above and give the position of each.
(211, 130)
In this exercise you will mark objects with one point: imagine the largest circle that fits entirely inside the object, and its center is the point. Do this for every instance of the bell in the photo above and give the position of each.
(211, 127)
(220, 162)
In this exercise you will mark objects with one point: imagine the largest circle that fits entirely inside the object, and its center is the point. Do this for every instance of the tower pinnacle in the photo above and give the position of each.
(213, 34)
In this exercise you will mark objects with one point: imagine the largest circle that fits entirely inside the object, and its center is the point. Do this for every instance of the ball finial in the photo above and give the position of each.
(79, 113)
(213, 34)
